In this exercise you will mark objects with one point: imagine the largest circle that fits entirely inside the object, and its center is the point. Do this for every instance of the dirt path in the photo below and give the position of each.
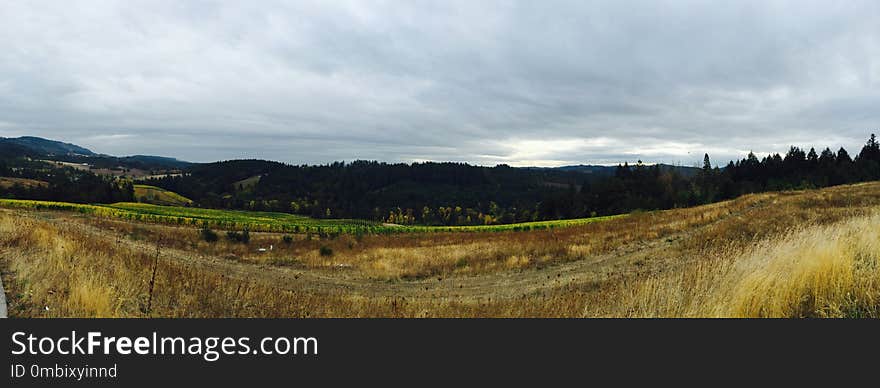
(508, 284)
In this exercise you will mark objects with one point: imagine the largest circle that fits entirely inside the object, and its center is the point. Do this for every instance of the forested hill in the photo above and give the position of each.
(439, 193)
(35, 145)
(456, 193)
(401, 193)
(39, 148)
(605, 171)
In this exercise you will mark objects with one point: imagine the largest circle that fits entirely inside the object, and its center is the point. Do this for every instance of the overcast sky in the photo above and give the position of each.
(519, 82)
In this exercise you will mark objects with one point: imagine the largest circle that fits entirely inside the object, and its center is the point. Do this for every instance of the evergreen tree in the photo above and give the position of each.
(706, 182)
(868, 161)
(871, 150)
(843, 157)
(827, 159)
(812, 158)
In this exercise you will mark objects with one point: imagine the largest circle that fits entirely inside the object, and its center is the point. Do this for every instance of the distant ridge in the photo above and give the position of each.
(46, 146)
(598, 170)
(37, 147)
(157, 160)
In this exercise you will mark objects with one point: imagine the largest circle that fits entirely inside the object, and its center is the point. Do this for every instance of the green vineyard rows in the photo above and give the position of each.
(270, 221)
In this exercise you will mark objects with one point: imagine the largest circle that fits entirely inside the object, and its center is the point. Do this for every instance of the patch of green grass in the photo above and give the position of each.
(159, 196)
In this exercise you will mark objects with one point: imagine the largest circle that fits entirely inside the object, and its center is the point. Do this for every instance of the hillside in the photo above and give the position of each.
(159, 196)
(372, 190)
(440, 194)
(460, 194)
(25, 183)
(36, 147)
(810, 253)
(47, 147)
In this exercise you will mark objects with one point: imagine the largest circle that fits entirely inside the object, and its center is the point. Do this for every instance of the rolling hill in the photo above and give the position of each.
(6, 182)
(47, 147)
(806, 253)
(158, 196)
(36, 147)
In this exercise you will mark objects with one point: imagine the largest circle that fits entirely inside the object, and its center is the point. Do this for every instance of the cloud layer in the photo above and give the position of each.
(524, 83)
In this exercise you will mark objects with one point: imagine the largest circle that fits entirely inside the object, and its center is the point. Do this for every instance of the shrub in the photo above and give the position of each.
(283, 261)
(288, 239)
(325, 251)
(208, 235)
(243, 237)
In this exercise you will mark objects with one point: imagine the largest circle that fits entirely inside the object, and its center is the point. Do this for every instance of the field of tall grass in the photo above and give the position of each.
(813, 253)
(819, 271)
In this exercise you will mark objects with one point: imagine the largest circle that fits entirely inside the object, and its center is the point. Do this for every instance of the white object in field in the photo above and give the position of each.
(261, 249)
(271, 246)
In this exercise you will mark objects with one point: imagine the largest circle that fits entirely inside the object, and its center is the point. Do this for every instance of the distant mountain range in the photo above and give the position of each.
(599, 171)
(37, 147)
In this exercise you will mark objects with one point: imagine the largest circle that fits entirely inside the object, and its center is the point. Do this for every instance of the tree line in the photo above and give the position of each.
(461, 194)
(648, 188)
(458, 193)
(62, 184)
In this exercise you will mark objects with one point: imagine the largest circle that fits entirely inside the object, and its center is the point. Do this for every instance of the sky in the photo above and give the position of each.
(526, 83)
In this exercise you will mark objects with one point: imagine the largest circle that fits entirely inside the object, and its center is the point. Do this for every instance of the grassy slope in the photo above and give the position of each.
(787, 254)
(6, 182)
(159, 196)
(247, 184)
(819, 271)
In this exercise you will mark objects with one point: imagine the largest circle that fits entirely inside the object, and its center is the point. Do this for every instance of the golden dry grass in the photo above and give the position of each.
(819, 271)
(7, 182)
(791, 254)
(415, 256)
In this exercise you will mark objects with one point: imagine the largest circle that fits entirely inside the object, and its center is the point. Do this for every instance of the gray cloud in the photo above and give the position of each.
(525, 83)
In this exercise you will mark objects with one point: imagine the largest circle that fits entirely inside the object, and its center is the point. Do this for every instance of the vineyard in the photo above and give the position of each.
(269, 221)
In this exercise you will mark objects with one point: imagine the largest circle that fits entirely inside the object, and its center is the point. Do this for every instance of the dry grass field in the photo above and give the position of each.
(6, 182)
(790, 254)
